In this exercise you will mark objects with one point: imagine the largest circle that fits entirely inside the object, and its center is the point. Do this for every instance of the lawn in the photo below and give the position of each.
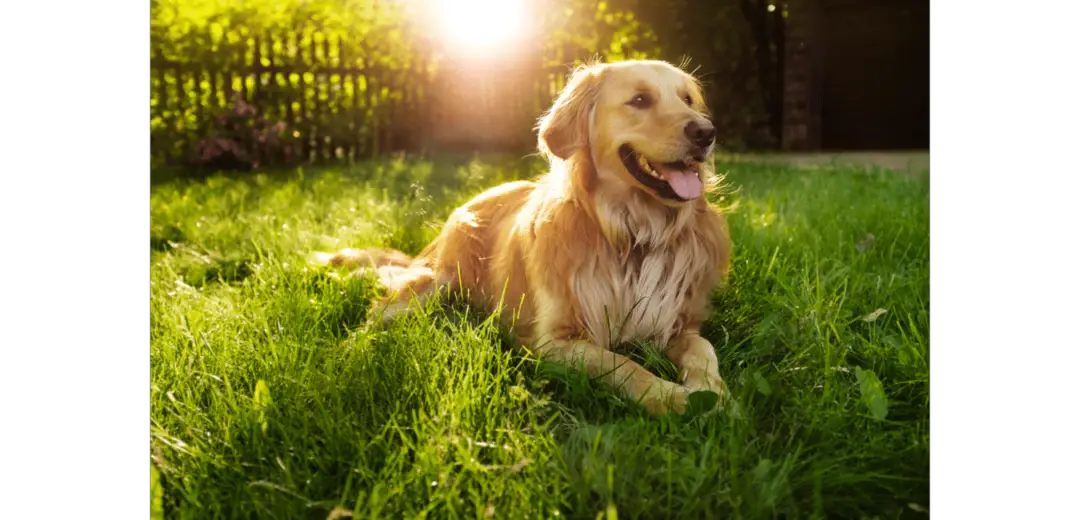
(270, 400)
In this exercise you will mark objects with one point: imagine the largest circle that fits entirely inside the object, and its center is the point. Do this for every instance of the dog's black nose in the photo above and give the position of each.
(701, 134)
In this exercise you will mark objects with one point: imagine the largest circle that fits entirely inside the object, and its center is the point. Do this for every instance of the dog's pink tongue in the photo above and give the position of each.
(686, 183)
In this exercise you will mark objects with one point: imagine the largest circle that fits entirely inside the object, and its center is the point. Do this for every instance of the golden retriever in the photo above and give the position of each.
(616, 242)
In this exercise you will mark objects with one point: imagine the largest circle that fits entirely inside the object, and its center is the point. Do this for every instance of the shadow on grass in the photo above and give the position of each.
(221, 270)
(574, 395)
(399, 173)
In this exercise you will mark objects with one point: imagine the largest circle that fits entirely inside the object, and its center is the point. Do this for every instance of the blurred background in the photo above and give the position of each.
(242, 84)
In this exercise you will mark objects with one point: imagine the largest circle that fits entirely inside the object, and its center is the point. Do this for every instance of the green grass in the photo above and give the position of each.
(270, 401)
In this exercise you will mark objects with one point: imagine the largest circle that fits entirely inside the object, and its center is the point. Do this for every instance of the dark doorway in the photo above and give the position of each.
(876, 93)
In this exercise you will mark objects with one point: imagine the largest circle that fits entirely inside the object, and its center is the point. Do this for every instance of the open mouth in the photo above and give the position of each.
(680, 180)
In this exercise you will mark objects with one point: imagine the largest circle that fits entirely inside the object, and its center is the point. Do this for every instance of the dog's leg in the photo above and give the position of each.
(406, 280)
(619, 372)
(406, 286)
(696, 359)
(362, 258)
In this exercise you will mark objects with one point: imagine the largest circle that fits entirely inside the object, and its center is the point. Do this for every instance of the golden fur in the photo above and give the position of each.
(587, 256)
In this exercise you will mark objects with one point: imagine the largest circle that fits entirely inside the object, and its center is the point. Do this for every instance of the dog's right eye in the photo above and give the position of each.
(640, 101)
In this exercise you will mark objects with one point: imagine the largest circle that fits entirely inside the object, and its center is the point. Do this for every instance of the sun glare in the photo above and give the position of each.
(482, 23)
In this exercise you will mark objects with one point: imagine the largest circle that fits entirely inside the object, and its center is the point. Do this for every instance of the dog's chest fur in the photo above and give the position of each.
(641, 295)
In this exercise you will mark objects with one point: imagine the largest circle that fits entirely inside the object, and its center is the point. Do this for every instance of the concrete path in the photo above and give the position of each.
(911, 162)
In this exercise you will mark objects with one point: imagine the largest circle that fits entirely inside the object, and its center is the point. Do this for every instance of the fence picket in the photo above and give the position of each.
(329, 92)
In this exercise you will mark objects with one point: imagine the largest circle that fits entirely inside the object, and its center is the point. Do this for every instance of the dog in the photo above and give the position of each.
(616, 242)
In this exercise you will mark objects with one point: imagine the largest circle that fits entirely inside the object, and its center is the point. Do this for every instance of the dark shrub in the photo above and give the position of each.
(242, 138)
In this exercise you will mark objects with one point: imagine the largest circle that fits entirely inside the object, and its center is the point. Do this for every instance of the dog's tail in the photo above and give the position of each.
(373, 258)
(393, 269)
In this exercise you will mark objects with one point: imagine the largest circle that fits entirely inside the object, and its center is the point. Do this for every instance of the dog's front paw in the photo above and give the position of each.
(703, 380)
(667, 398)
(709, 383)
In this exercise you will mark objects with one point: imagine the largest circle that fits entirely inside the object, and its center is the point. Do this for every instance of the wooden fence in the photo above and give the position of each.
(316, 102)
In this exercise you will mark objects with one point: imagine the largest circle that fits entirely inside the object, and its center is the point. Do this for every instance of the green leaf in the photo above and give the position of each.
(873, 393)
(700, 402)
(262, 395)
(611, 513)
(762, 384)
(903, 351)
(157, 512)
(763, 469)
(263, 400)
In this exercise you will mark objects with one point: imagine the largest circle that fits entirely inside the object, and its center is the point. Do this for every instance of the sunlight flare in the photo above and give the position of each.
(480, 24)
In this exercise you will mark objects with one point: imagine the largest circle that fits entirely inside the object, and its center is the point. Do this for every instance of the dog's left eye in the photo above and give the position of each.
(689, 100)
(640, 101)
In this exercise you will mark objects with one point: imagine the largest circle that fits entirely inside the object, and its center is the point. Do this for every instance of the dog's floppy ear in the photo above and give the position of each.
(565, 128)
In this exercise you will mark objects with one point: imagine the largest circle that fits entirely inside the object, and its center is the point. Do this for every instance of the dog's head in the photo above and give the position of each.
(642, 123)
